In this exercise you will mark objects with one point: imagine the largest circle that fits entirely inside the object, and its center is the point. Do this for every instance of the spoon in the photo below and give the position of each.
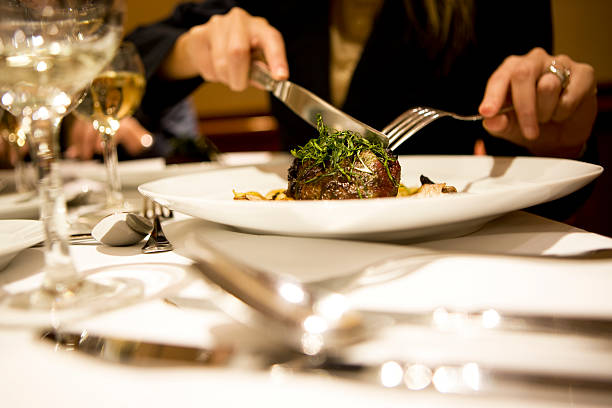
(121, 229)
(310, 321)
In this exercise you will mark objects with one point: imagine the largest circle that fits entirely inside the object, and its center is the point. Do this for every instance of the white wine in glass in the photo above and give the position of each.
(50, 52)
(113, 95)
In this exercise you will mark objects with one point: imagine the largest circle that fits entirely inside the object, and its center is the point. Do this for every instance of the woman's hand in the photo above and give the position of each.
(221, 50)
(84, 141)
(548, 119)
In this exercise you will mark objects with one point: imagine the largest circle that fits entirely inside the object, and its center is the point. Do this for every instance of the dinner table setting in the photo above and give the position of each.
(499, 309)
(142, 283)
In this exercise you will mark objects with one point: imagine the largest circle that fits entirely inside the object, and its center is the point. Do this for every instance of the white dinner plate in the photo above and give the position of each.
(133, 173)
(488, 187)
(27, 205)
(17, 235)
(19, 205)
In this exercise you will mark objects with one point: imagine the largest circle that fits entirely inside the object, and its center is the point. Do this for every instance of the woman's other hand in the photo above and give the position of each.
(84, 141)
(548, 119)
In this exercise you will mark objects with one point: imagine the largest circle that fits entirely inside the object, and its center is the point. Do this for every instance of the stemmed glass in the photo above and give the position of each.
(114, 94)
(50, 51)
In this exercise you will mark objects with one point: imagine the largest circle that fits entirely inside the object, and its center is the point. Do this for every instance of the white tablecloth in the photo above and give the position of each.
(518, 263)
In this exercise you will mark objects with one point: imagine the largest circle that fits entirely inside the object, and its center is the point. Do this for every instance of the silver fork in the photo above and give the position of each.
(408, 123)
(157, 241)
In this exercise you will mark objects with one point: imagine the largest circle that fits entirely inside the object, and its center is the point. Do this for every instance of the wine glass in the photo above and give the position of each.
(113, 95)
(15, 139)
(50, 51)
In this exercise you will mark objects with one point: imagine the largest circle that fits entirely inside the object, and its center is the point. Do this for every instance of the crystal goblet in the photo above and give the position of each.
(113, 95)
(50, 51)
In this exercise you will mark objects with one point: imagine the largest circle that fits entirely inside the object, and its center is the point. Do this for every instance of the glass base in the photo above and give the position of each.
(94, 294)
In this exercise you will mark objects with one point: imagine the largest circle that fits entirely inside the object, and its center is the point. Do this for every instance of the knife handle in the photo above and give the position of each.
(260, 76)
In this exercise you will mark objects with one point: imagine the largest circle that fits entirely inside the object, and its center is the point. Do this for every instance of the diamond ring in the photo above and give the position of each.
(560, 71)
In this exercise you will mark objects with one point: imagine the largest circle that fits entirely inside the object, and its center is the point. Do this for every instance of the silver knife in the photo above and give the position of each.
(451, 378)
(308, 105)
(133, 352)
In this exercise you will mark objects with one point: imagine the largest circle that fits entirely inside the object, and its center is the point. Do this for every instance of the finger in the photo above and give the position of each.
(134, 144)
(132, 133)
(198, 51)
(496, 91)
(523, 89)
(581, 85)
(84, 134)
(498, 125)
(548, 90)
(239, 58)
(219, 40)
(203, 60)
(270, 41)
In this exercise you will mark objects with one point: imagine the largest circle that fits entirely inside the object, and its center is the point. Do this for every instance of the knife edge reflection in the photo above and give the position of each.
(139, 353)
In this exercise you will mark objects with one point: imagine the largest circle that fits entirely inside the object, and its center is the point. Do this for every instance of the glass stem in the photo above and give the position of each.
(60, 275)
(114, 197)
(23, 182)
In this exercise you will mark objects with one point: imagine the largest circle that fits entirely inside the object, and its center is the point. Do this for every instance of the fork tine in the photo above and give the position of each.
(147, 208)
(410, 124)
(401, 118)
(413, 117)
(405, 127)
(406, 123)
(163, 212)
(412, 131)
(413, 120)
(406, 118)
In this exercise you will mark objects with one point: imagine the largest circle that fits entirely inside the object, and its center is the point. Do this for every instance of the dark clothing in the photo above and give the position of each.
(394, 74)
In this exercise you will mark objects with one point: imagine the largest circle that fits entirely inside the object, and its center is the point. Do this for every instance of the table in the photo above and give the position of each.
(519, 263)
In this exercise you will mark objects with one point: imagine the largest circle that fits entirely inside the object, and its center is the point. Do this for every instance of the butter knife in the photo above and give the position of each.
(308, 105)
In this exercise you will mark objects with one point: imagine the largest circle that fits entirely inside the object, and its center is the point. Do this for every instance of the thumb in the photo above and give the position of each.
(500, 125)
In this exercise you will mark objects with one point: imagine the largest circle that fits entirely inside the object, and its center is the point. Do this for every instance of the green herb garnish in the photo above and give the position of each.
(333, 149)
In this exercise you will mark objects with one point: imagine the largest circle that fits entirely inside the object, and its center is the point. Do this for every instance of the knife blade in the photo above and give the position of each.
(446, 378)
(134, 352)
(307, 105)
